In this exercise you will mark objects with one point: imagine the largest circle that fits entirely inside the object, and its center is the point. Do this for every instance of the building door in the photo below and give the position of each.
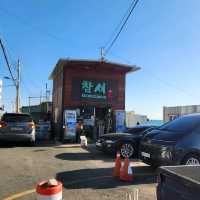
(172, 117)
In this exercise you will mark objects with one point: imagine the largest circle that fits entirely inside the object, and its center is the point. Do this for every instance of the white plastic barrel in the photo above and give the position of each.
(83, 141)
(46, 191)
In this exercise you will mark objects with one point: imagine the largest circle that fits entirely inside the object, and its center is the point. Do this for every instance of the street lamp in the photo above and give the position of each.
(6, 77)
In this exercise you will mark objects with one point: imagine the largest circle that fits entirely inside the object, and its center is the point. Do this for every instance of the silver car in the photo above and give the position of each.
(17, 127)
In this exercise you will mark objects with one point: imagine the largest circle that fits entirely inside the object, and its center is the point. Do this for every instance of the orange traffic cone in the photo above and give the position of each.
(126, 173)
(116, 170)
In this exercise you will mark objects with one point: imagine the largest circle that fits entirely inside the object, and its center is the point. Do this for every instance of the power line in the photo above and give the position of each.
(118, 26)
(31, 81)
(169, 84)
(172, 85)
(7, 62)
(9, 52)
(133, 5)
(26, 88)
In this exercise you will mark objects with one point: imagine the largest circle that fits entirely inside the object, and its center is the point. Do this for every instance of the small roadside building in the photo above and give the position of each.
(94, 89)
(170, 113)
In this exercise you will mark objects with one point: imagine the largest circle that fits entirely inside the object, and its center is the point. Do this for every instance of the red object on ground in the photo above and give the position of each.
(126, 173)
(116, 170)
(49, 192)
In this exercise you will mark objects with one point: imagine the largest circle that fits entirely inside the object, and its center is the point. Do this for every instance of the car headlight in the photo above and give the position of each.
(166, 153)
(109, 141)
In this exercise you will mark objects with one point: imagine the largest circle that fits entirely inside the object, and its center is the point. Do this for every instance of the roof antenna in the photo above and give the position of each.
(102, 54)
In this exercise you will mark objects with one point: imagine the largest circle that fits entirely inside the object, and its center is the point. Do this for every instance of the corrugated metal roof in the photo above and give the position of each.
(62, 62)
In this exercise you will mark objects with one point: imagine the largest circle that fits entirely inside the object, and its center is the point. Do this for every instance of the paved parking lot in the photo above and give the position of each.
(85, 173)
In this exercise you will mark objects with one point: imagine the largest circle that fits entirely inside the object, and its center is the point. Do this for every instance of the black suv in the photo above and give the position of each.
(176, 142)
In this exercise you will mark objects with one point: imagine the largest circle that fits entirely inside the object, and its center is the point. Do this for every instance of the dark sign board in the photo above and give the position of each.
(95, 90)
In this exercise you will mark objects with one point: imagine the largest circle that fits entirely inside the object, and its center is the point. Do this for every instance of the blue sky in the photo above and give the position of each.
(161, 36)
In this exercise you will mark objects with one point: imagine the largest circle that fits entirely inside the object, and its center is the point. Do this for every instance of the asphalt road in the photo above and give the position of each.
(85, 173)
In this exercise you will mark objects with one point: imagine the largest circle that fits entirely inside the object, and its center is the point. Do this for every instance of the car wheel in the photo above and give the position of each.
(32, 143)
(127, 150)
(191, 159)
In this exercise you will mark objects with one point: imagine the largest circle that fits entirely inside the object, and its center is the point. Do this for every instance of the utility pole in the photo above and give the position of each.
(40, 102)
(46, 97)
(18, 87)
(46, 93)
(102, 55)
(29, 104)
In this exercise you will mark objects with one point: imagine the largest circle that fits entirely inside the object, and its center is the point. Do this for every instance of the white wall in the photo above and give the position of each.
(132, 118)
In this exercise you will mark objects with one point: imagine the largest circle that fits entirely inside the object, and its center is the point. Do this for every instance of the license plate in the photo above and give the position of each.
(146, 155)
(98, 144)
(16, 129)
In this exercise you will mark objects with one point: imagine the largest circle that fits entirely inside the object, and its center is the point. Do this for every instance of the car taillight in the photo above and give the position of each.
(31, 125)
(2, 124)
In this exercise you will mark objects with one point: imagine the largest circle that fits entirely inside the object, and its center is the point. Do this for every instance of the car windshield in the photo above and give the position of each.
(183, 124)
(16, 118)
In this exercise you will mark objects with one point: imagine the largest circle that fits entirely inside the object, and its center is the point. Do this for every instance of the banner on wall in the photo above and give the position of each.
(70, 124)
(120, 117)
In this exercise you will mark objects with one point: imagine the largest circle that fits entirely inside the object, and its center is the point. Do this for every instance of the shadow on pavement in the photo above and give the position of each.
(68, 147)
(90, 153)
(13, 144)
(84, 156)
(46, 143)
(101, 178)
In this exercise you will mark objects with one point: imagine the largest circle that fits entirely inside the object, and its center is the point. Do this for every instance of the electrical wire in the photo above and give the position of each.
(7, 62)
(133, 5)
(169, 84)
(9, 52)
(24, 85)
(119, 25)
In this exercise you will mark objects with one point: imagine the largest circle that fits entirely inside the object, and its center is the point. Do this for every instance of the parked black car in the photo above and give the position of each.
(127, 143)
(176, 142)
